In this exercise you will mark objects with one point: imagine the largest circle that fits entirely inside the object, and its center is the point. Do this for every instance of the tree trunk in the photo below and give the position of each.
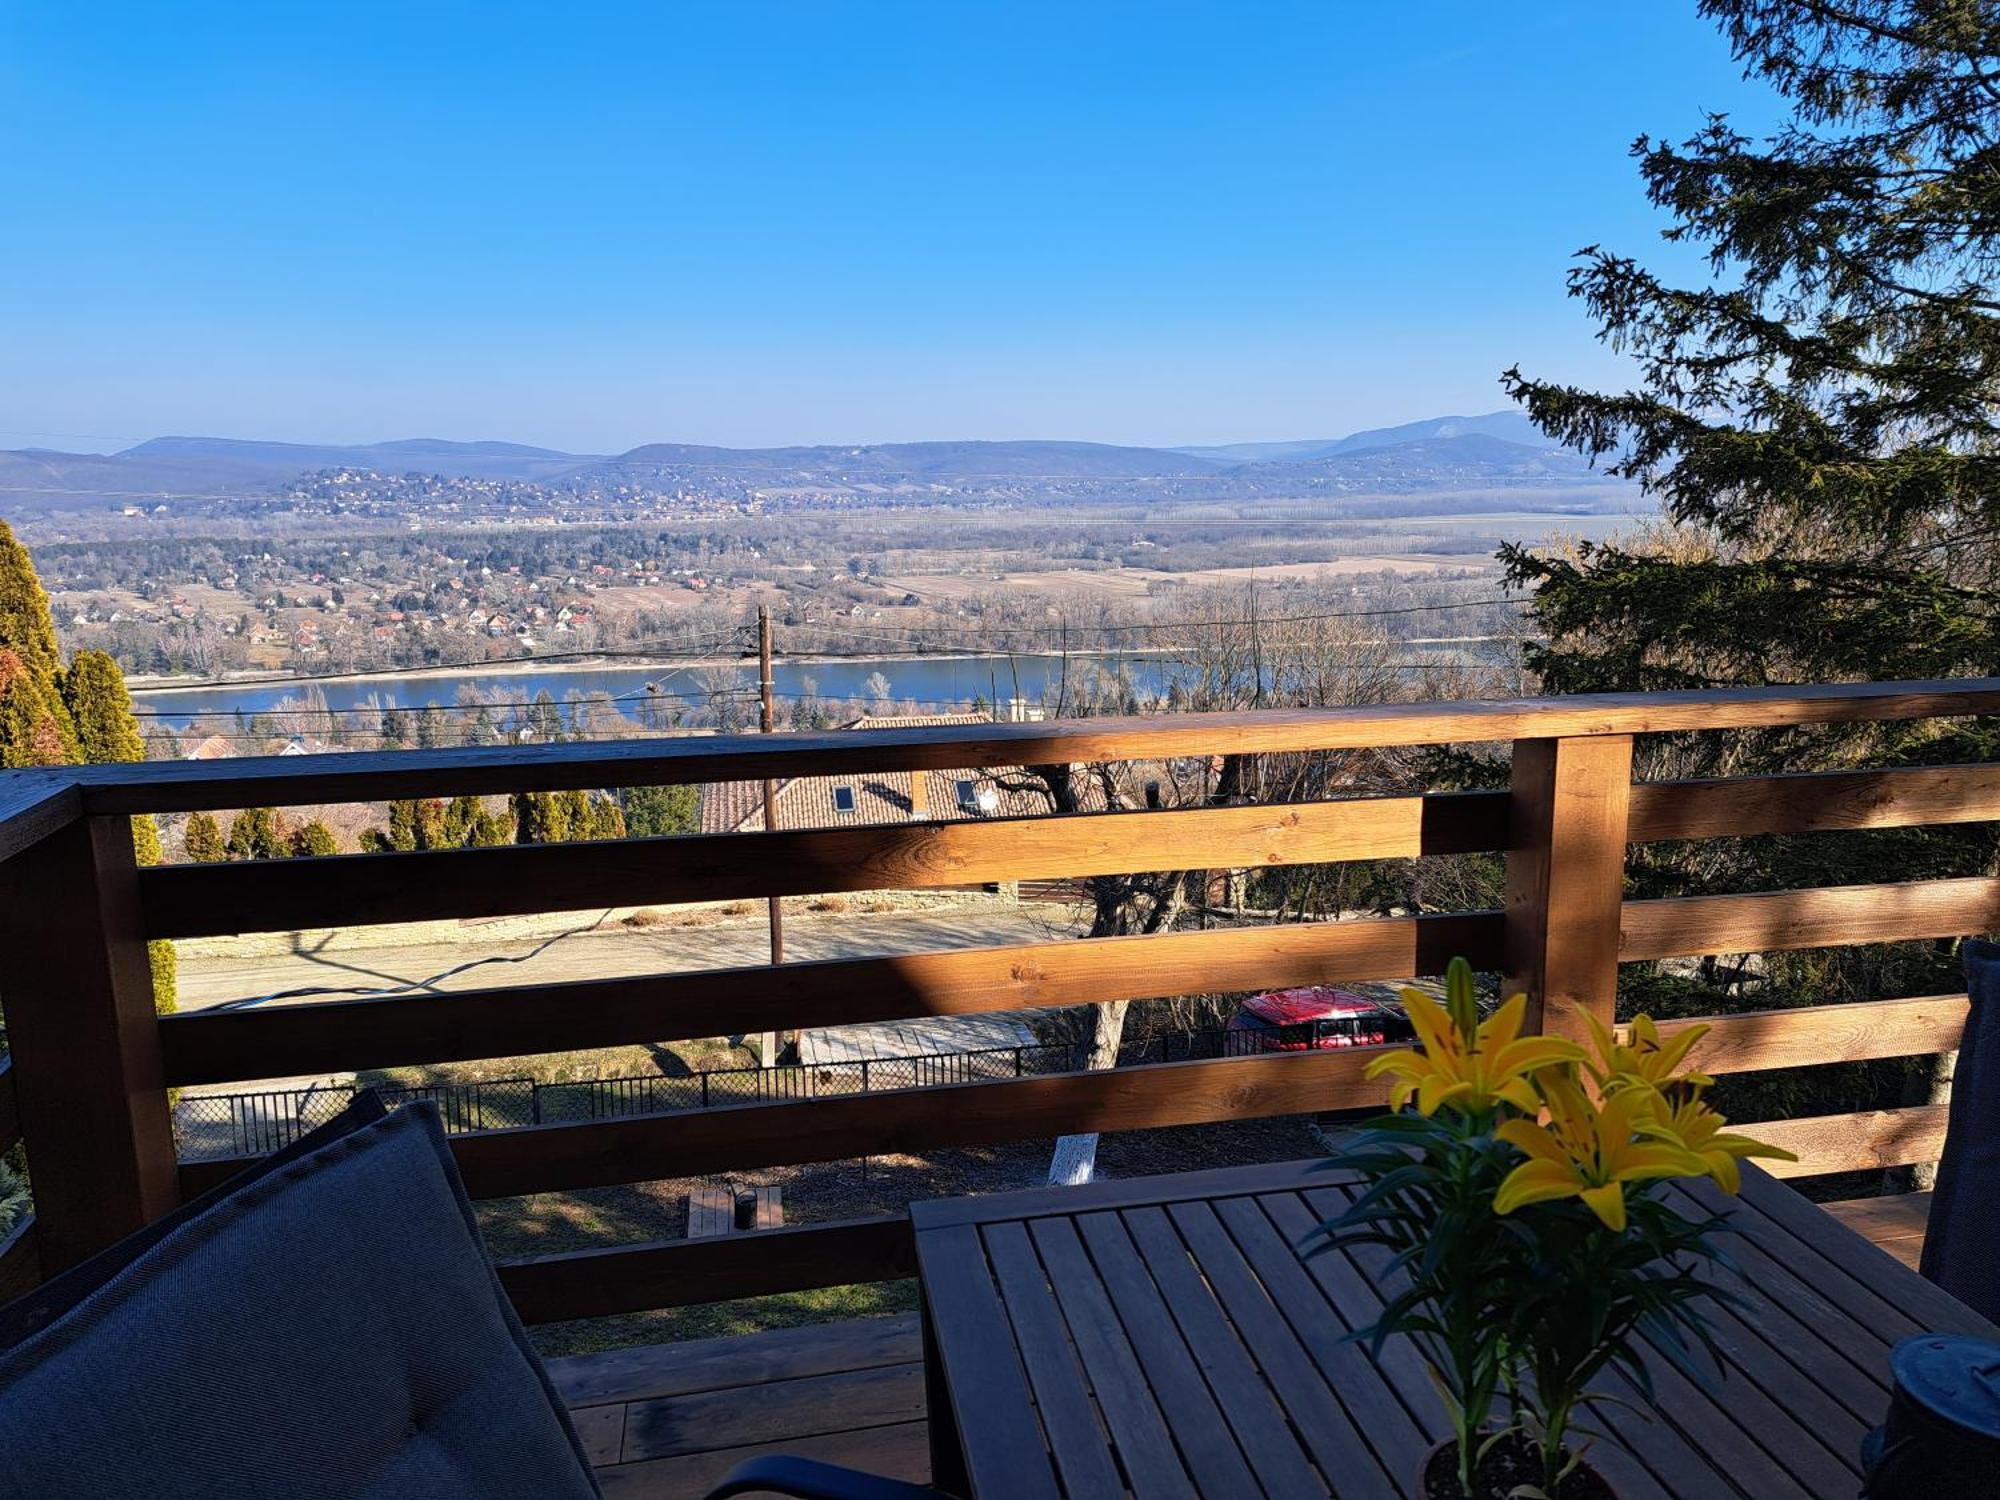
(1075, 1158)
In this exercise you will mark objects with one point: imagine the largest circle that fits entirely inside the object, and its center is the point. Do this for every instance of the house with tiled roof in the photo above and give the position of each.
(874, 797)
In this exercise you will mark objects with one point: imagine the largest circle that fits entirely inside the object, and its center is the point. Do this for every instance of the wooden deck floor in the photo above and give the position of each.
(667, 1421)
(1895, 1221)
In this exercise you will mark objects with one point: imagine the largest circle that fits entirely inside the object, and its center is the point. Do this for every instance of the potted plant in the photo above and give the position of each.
(1511, 1172)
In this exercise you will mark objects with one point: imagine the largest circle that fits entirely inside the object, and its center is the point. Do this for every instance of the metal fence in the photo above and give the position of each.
(208, 1125)
(252, 1124)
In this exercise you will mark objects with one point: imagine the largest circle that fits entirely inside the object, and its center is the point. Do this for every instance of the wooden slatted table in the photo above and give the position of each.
(1164, 1337)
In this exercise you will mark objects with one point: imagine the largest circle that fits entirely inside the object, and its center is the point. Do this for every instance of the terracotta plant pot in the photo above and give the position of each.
(1584, 1482)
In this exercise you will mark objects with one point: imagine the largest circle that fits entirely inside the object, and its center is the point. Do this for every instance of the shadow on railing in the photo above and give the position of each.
(94, 1066)
(253, 1122)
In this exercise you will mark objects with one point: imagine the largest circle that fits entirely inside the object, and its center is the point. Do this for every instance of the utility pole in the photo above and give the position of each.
(768, 721)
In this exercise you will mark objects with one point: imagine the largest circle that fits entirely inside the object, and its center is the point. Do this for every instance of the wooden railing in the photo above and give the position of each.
(92, 1064)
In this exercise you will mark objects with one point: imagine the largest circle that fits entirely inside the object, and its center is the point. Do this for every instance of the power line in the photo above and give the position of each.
(702, 652)
(705, 650)
(384, 709)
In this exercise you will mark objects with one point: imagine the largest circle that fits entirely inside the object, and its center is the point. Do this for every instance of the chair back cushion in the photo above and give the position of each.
(1962, 1240)
(326, 1327)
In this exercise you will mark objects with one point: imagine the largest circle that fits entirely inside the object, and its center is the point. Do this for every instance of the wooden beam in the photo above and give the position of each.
(1858, 1142)
(640, 1148)
(88, 1084)
(34, 804)
(219, 1046)
(676, 1273)
(1833, 916)
(278, 781)
(203, 900)
(1810, 1035)
(1565, 878)
(1815, 802)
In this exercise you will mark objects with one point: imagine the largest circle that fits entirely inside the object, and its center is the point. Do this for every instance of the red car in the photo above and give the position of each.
(1315, 1017)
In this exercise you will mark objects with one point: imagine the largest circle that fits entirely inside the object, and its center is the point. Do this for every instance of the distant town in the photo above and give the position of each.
(208, 559)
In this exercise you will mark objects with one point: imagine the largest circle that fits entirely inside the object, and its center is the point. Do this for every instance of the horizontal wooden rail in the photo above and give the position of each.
(1812, 1035)
(222, 1046)
(33, 805)
(10, 1114)
(202, 900)
(1814, 802)
(1854, 1143)
(676, 1273)
(1829, 917)
(187, 786)
(638, 1148)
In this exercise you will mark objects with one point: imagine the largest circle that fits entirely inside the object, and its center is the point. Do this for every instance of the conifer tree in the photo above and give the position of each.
(26, 626)
(575, 816)
(202, 838)
(655, 811)
(32, 720)
(544, 719)
(458, 817)
(607, 819)
(39, 704)
(540, 818)
(490, 830)
(1819, 419)
(312, 839)
(403, 823)
(100, 708)
(255, 833)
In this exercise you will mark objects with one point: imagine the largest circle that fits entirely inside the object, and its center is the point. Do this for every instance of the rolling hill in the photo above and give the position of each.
(1500, 449)
(1509, 426)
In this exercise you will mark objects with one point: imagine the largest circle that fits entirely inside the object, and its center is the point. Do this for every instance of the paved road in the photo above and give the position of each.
(207, 980)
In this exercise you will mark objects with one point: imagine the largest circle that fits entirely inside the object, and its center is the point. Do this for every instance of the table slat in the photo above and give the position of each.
(1353, 1297)
(1684, 1470)
(1175, 1339)
(1207, 1445)
(1927, 1305)
(1250, 1389)
(1004, 1451)
(1295, 1389)
(1125, 1397)
(1081, 1455)
(1303, 1322)
(1841, 1355)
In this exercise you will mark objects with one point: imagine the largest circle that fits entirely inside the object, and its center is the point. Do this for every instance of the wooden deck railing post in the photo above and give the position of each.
(1566, 877)
(78, 993)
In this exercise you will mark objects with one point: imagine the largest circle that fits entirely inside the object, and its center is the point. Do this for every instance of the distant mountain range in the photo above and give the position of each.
(1507, 426)
(1500, 449)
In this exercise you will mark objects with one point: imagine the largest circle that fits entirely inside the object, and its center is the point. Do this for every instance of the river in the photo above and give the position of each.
(934, 683)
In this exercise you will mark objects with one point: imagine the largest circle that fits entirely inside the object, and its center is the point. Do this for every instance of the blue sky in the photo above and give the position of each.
(591, 225)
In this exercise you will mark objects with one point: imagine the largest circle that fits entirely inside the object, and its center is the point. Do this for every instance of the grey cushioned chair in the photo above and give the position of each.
(326, 1326)
(1962, 1240)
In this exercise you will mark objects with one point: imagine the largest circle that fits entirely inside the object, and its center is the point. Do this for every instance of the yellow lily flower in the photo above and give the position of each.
(1643, 1057)
(1470, 1068)
(1588, 1151)
(1691, 1125)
